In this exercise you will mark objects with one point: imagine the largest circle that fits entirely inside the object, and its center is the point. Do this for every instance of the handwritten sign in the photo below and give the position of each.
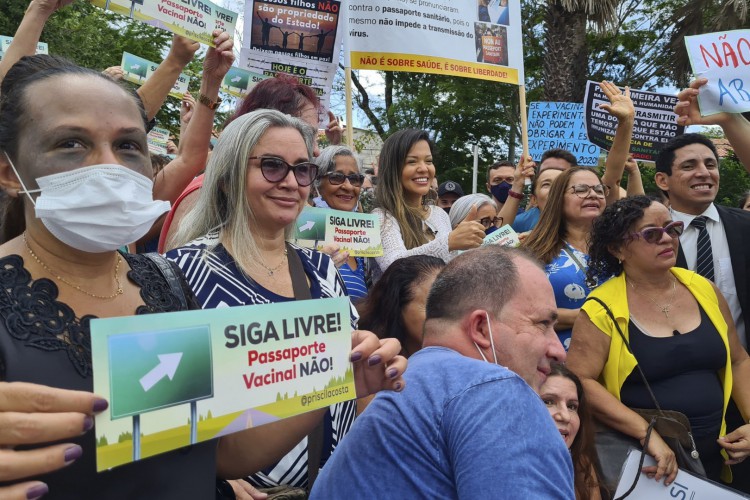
(157, 140)
(724, 59)
(174, 379)
(353, 232)
(137, 70)
(41, 47)
(554, 125)
(504, 236)
(195, 19)
(655, 121)
(238, 81)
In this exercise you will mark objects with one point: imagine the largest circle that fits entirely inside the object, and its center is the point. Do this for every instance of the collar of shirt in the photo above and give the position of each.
(710, 213)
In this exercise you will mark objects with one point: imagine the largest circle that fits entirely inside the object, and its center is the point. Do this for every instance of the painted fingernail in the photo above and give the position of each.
(391, 373)
(397, 386)
(73, 453)
(100, 405)
(37, 491)
(374, 360)
(88, 423)
(356, 356)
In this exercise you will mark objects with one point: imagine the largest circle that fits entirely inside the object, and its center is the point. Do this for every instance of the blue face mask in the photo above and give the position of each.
(500, 191)
(490, 230)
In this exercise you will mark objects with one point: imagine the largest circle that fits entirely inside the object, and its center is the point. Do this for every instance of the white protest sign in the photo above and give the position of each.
(504, 236)
(724, 59)
(449, 37)
(137, 70)
(353, 232)
(298, 37)
(685, 487)
(193, 19)
(238, 81)
(41, 47)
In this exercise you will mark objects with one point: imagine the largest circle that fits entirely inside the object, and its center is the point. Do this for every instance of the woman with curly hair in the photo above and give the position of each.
(563, 395)
(678, 328)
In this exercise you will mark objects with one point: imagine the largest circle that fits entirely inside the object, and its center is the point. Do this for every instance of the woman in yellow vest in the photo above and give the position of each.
(680, 330)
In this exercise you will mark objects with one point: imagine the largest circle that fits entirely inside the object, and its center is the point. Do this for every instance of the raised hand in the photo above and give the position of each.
(334, 130)
(220, 58)
(621, 106)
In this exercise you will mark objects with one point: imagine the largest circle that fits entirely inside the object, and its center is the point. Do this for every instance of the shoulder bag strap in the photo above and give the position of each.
(166, 269)
(315, 437)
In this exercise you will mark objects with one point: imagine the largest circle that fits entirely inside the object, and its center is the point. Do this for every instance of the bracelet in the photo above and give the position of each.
(515, 195)
(208, 102)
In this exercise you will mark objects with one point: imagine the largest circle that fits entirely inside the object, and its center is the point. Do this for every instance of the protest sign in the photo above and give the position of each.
(655, 121)
(448, 37)
(173, 379)
(238, 81)
(555, 125)
(504, 236)
(298, 37)
(193, 19)
(724, 59)
(686, 486)
(137, 70)
(353, 232)
(41, 47)
(157, 140)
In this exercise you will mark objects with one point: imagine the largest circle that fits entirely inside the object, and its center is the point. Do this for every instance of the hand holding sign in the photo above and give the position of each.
(182, 50)
(688, 112)
(468, 234)
(48, 7)
(220, 58)
(333, 250)
(114, 72)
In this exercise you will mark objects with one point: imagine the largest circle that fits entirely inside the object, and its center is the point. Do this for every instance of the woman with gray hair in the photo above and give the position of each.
(486, 211)
(338, 184)
(234, 252)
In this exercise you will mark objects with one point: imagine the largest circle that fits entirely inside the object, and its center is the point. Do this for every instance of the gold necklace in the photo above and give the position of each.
(73, 285)
(664, 308)
(269, 269)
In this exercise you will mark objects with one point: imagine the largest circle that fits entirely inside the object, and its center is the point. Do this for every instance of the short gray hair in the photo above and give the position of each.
(460, 208)
(326, 161)
(223, 201)
(484, 278)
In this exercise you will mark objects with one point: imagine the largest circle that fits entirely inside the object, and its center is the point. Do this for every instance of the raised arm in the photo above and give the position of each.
(735, 126)
(621, 107)
(29, 31)
(155, 90)
(524, 170)
(635, 181)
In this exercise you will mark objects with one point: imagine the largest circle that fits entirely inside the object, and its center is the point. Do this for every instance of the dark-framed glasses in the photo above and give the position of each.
(275, 170)
(654, 234)
(338, 178)
(488, 222)
(582, 190)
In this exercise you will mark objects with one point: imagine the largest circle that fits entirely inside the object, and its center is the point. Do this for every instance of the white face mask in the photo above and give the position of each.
(492, 341)
(98, 208)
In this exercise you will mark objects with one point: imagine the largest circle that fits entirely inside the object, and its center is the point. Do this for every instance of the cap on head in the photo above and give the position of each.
(450, 187)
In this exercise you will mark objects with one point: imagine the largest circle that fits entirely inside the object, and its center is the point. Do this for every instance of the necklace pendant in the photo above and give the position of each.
(665, 310)
(270, 272)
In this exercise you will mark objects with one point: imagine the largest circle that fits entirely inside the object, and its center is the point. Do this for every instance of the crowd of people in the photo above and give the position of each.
(515, 355)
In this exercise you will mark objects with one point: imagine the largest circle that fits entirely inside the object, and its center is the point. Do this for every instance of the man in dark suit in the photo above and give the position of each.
(716, 241)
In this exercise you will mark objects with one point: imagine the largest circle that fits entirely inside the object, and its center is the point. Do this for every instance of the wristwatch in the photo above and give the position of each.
(208, 102)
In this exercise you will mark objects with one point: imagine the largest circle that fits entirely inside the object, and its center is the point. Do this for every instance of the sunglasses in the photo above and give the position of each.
(275, 170)
(488, 222)
(654, 234)
(582, 190)
(338, 178)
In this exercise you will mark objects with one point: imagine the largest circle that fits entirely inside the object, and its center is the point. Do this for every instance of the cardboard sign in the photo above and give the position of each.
(353, 232)
(447, 37)
(157, 140)
(504, 236)
(686, 486)
(174, 379)
(238, 82)
(724, 59)
(561, 125)
(655, 121)
(299, 38)
(137, 70)
(41, 47)
(195, 19)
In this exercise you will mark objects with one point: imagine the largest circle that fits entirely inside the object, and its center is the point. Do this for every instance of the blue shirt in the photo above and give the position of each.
(354, 280)
(462, 428)
(568, 281)
(526, 221)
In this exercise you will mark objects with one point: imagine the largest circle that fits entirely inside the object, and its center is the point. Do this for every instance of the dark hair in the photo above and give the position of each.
(582, 451)
(283, 93)
(13, 105)
(548, 236)
(743, 199)
(610, 230)
(498, 164)
(390, 192)
(380, 312)
(535, 182)
(665, 158)
(484, 278)
(562, 154)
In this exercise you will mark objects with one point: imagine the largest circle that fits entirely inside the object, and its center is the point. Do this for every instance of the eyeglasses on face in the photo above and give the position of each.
(338, 178)
(582, 190)
(654, 234)
(488, 222)
(275, 170)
